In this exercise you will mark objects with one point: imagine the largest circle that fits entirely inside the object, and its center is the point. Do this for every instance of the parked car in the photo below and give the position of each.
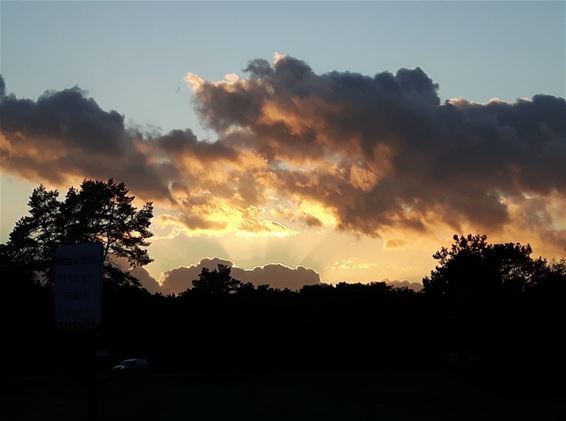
(131, 364)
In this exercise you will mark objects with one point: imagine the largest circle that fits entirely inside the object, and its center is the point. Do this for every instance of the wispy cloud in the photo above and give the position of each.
(351, 264)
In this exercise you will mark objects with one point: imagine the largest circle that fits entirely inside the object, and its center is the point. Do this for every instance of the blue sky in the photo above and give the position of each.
(132, 57)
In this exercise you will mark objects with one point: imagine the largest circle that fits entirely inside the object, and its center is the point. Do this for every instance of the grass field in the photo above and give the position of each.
(280, 396)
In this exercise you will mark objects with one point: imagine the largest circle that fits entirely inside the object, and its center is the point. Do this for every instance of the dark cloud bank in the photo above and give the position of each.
(275, 275)
(376, 152)
(396, 154)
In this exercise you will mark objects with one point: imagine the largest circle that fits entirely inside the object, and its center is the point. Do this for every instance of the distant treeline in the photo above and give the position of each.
(485, 304)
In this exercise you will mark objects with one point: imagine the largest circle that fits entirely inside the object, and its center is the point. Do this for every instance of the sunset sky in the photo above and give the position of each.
(353, 139)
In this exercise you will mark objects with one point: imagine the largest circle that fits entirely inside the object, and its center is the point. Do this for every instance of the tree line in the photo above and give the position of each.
(483, 305)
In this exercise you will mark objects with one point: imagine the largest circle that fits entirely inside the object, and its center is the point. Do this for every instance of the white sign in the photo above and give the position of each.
(78, 286)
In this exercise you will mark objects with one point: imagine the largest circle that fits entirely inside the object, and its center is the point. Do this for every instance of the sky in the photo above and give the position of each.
(323, 154)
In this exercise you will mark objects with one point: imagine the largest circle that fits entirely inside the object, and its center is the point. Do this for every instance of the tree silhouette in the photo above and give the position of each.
(34, 238)
(216, 282)
(99, 211)
(473, 268)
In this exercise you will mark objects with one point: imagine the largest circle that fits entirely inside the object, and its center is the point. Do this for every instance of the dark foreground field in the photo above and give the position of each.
(288, 396)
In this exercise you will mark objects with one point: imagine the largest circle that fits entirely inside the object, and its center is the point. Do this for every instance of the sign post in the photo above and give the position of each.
(78, 302)
(78, 286)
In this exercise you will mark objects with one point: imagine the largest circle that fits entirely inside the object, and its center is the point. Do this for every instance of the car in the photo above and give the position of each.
(131, 364)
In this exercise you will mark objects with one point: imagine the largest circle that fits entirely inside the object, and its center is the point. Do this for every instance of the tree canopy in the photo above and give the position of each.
(99, 211)
(216, 282)
(474, 268)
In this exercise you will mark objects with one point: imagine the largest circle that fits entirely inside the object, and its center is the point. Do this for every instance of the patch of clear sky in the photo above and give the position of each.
(132, 56)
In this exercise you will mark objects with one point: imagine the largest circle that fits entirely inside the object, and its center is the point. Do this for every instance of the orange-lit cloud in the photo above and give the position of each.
(378, 156)
(395, 243)
(383, 153)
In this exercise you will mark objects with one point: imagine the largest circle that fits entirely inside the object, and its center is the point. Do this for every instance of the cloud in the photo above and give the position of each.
(207, 188)
(364, 154)
(147, 281)
(278, 276)
(414, 286)
(395, 243)
(351, 264)
(382, 151)
(65, 134)
(140, 273)
(274, 275)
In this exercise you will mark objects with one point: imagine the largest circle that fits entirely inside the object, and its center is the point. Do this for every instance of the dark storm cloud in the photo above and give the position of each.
(66, 134)
(384, 151)
(365, 154)
(184, 142)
